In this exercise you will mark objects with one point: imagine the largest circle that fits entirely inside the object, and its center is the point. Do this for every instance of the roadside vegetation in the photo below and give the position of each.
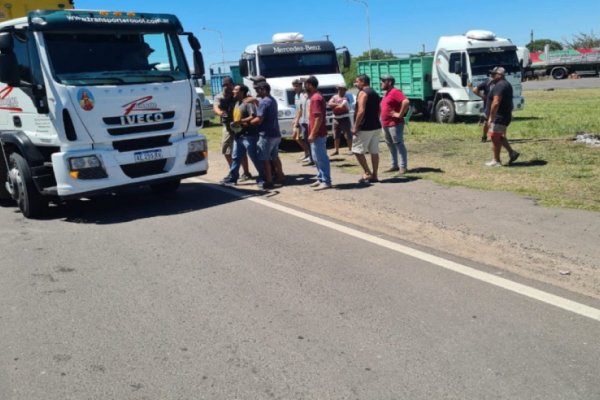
(552, 169)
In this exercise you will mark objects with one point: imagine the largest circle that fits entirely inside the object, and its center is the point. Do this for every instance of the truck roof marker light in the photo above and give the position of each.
(38, 21)
(118, 14)
(131, 14)
(104, 13)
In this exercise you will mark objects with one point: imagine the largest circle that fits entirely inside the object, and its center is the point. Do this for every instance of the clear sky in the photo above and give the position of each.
(402, 26)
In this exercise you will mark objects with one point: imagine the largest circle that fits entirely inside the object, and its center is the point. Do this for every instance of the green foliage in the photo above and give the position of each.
(538, 45)
(376, 54)
(583, 40)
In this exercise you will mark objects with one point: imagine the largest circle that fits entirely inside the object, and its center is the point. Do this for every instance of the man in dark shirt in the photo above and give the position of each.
(367, 128)
(500, 105)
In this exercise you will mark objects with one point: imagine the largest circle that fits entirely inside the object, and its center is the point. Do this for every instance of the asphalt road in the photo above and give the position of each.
(553, 84)
(210, 296)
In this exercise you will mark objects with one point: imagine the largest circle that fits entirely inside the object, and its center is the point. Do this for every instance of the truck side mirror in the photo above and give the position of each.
(456, 67)
(194, 42)
(243, 67)
(198, 64)
(464, 75)
(346, 59)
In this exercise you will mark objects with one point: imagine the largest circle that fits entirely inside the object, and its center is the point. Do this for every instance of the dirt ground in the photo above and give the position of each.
(556, 246)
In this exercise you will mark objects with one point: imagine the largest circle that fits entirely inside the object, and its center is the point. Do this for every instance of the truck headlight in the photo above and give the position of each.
(197, 151)
(86, 167)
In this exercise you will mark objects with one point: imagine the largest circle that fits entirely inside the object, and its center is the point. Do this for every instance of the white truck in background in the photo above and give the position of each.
(470, 57)
(94, 101)
(289, 57)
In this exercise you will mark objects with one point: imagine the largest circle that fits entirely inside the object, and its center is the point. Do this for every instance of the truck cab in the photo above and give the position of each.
(289, 57)
(94, 101)
(463, 59)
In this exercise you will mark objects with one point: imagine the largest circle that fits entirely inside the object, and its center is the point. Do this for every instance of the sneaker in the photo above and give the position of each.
(401, 171)
(323, 186)
(335, 153)
(513, 157)
(308, 164)
(315, 184)
(493, 163)
(228, 182)
(303, 158)
(392, 169)
(483, 139)
(245, 177)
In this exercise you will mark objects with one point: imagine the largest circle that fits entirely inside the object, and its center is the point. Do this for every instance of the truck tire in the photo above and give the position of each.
(444, 111)
(166, 187)
(560, 73)
(31, 203)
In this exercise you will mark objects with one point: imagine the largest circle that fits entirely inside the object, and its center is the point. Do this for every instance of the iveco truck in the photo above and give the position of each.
(94, 101)
(289, 57)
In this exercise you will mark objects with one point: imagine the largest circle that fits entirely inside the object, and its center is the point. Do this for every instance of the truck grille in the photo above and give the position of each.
(126, 129)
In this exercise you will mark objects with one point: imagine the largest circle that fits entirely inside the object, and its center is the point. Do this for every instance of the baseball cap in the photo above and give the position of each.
(298, 81)
(387, 78)
(498, 70)
(258, 78)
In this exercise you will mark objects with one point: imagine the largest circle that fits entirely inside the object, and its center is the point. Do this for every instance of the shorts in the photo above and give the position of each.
(268, 148)
(226, 142)
(497, 130)
(341, 127)
(366, 142)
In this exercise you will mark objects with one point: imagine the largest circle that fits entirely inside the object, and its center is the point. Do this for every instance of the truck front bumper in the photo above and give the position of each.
(128, 168)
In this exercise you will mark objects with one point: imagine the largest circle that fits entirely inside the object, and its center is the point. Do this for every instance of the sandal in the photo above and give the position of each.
(365, 179)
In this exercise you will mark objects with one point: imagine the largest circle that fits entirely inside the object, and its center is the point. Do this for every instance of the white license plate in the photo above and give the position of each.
(148, 155)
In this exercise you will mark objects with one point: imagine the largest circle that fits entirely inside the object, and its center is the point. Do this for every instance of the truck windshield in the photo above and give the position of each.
(484, 61)
(108, 59)
(298, 64)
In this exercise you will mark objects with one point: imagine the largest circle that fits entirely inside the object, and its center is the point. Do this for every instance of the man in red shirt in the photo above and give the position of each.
(317, 133)
(394, 106)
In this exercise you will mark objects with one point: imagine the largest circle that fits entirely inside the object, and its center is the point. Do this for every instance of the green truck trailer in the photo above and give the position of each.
(412, 74)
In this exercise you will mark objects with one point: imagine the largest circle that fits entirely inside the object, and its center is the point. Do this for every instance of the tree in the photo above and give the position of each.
(538, 45)
(376, 54)
(583, 40)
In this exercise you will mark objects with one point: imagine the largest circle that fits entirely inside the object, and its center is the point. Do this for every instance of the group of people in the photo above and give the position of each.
(251, 129)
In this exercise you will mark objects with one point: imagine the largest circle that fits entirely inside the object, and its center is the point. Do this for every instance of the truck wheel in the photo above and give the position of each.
(31, 203)
(560, 73)
(444, 111)
(166, 187)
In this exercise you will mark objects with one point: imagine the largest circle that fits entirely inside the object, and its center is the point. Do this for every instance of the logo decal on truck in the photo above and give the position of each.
(141, 104)
(86, 99)
(9, 103)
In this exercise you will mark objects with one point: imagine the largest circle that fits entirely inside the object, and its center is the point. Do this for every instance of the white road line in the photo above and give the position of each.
(515, 287)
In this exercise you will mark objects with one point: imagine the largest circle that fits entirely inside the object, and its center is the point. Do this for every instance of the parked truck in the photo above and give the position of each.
(289, 57)
(561, 63)
(94, 101)
(437, 84)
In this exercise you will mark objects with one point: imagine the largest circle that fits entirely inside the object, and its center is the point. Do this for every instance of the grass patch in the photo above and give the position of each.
(552, 168)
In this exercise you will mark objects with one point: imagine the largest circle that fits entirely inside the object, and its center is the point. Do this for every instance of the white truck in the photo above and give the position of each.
(95, 101)
(470, 57)
(289, 57)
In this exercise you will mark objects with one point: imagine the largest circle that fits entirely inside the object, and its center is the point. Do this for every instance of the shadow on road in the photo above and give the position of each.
(143, 203)
(424, 170)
